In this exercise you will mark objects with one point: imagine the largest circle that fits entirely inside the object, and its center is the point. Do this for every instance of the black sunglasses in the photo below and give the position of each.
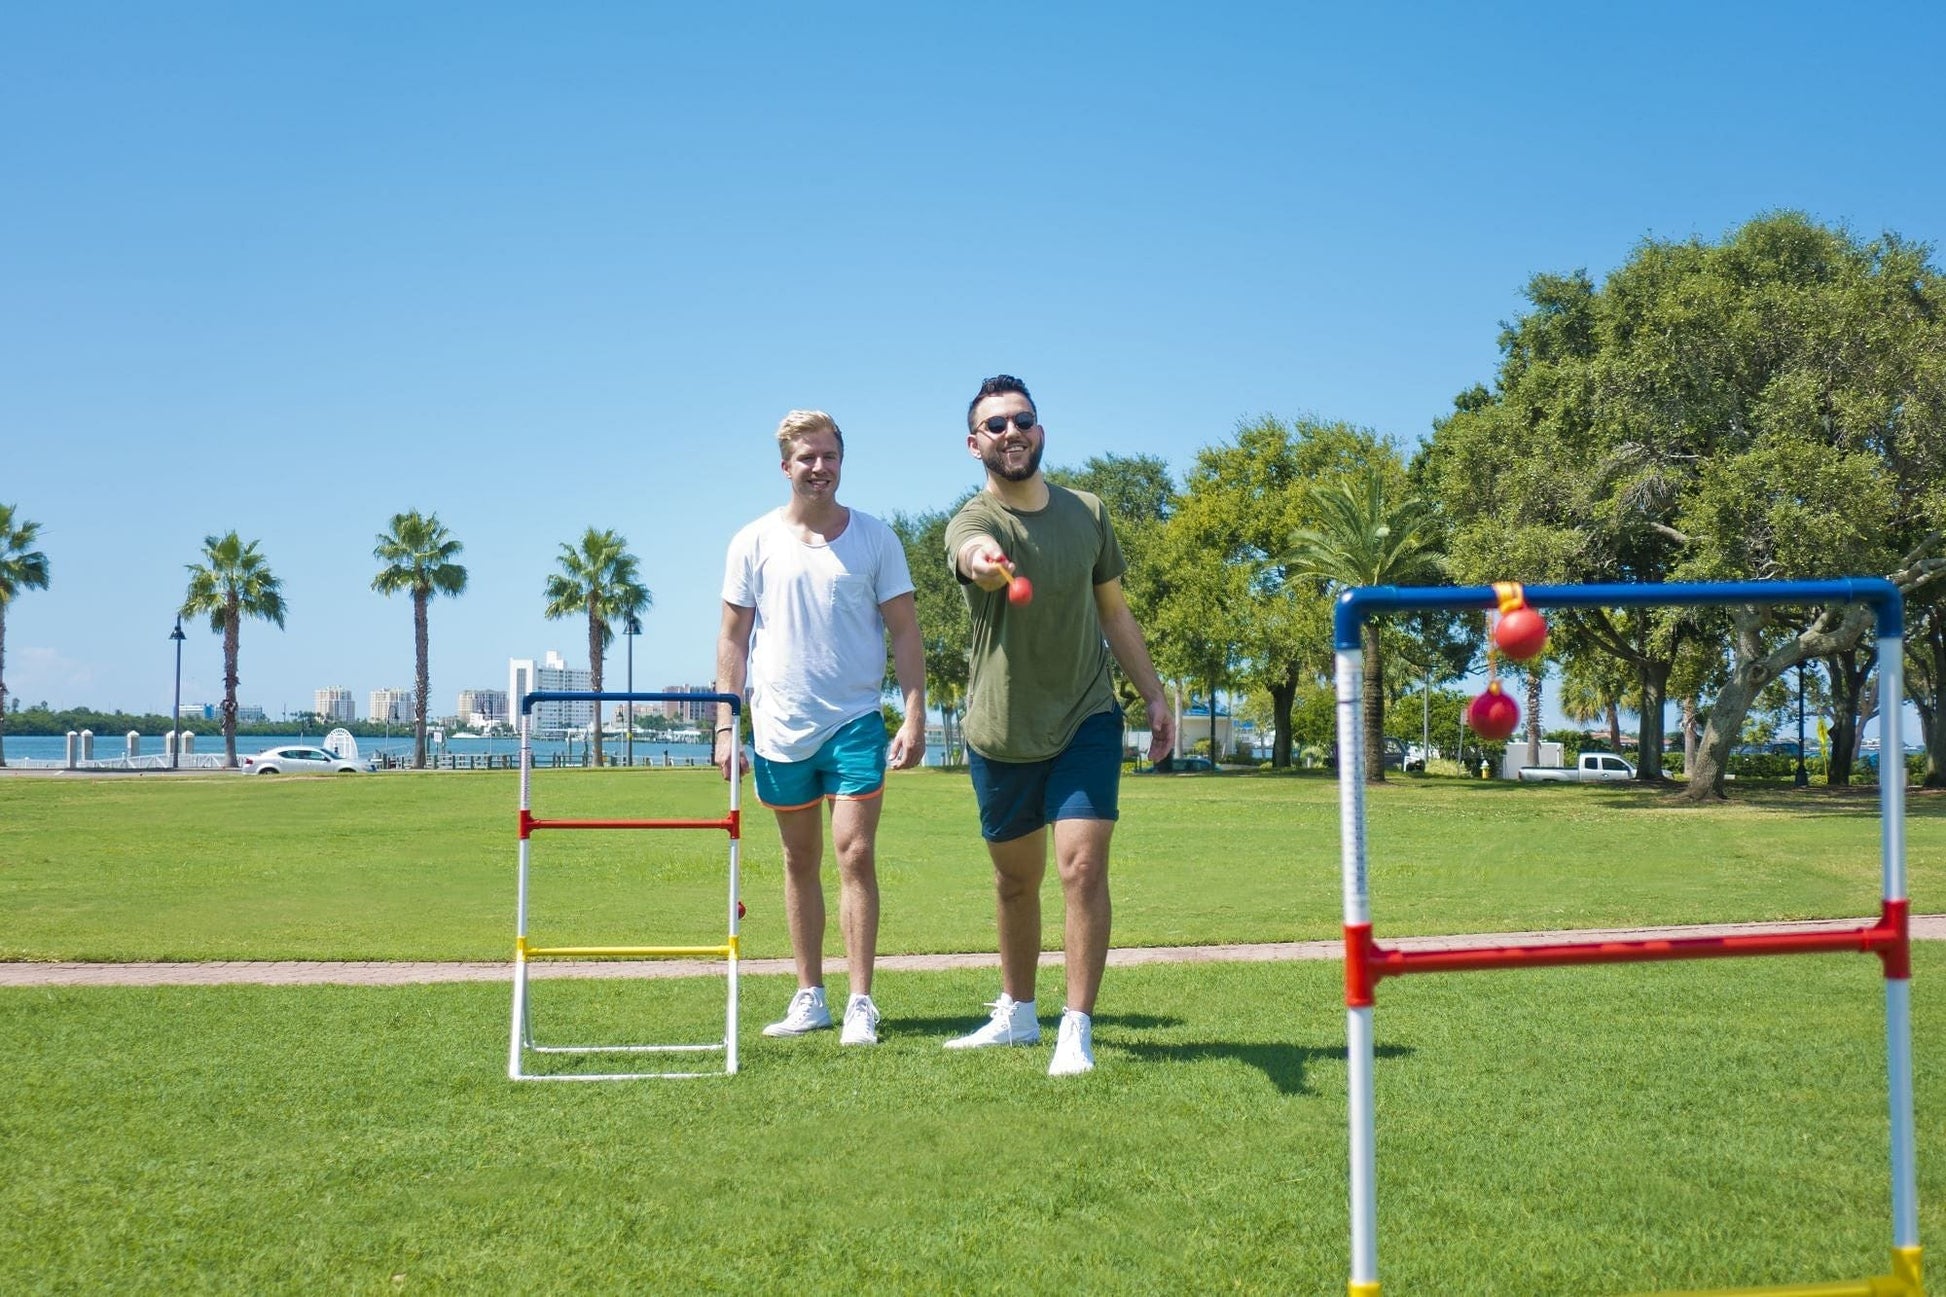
(998, 423)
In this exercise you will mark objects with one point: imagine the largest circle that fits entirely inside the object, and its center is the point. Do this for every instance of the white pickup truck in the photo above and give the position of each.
(1593, 768)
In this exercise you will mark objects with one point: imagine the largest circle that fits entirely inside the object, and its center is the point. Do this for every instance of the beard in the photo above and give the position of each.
(996, 462)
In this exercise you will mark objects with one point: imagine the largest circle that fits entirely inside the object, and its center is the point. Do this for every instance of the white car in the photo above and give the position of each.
(298, 760)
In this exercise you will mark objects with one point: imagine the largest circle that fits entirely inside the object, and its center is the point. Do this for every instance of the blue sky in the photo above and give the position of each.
(291, 269)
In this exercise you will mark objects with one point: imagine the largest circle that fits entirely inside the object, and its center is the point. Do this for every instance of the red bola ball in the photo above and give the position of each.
(1020, 590)
(1521, 634)
(1493, 715)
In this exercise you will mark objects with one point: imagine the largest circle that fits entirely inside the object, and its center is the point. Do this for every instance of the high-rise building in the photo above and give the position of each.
(701, 710)
(550, 720)
(482, 707)
(334, 704)
(393, 705)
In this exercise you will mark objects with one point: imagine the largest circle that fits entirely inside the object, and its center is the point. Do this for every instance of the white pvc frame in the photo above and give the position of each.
(523, 1041)
(1359, 1043)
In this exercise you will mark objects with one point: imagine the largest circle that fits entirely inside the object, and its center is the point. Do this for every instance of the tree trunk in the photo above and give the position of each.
(1929, 646)
(594, 673)
(1653, 676)
(232, 615)
(421, 677)
(1283, 698)
(1833, 631)
(1534, 674)
(1689, 733)
(3, 686)
(1213, 753)
(1614, 727)
(1847, 673)
(1374, 707)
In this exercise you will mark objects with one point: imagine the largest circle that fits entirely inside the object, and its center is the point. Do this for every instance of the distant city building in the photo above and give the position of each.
(482, 708)
(334, 704)
(688, 711)
(214, 711)
(391, 705)
(550, 720)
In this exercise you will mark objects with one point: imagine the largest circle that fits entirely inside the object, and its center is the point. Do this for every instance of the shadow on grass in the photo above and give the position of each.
(1859, 801)
(959, 1024)
(1285, 1065)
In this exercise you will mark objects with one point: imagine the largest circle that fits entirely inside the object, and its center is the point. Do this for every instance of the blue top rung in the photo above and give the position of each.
(1354, 606)
(528, 700)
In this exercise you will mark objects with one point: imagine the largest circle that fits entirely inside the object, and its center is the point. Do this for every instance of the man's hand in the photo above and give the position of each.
(908, 747)
(1162, 728)
(986, 564)
(730, 754)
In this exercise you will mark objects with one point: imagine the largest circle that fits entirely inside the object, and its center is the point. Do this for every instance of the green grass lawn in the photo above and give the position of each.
(1563, 1131)
(405, 866)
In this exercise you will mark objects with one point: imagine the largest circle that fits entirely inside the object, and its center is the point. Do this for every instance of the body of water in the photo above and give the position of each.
(54, 747)
(461, 752)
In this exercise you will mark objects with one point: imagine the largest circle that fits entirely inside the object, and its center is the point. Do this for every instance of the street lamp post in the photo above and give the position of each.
(631, 628)
(175, 716)
(1801, 778)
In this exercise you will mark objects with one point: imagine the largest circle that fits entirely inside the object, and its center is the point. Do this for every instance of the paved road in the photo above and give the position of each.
(1925, 927)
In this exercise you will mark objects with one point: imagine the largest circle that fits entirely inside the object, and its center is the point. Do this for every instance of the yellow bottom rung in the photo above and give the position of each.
(627, 952)
(1904, 1281)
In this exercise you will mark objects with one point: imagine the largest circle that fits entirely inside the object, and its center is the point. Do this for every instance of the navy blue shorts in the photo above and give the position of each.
(1081, 782)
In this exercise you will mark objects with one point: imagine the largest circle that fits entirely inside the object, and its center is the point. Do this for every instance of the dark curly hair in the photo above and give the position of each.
(998, 385)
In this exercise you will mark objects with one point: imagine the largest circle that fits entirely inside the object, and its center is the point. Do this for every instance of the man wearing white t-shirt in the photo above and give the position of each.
(810, 592)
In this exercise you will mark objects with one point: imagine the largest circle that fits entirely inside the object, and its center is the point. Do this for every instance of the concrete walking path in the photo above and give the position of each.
(1925, 927)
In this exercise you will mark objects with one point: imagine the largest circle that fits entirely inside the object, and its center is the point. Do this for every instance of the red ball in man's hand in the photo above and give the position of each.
(1020, 590)
(1493, 715)
(1521, 634)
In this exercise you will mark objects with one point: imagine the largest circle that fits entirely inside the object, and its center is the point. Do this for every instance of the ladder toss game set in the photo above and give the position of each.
(523, 1041)
(1367, 961)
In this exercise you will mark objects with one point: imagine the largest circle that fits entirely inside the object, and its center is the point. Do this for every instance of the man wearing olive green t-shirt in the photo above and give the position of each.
(1042, 723)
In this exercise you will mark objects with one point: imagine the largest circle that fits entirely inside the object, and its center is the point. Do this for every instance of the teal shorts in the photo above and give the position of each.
(851, 764)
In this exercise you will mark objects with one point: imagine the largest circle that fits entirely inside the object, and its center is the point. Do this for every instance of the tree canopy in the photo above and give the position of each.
(417, 554)
(232, 582)
(1767, 406)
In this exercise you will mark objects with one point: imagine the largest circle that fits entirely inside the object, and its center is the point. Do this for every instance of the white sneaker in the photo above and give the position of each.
(861, 1022)
(807, 1013)
(1012, 1023)
(1074, 1048)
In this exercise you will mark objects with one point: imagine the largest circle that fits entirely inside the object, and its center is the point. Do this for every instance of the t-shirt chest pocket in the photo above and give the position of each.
(849, 592)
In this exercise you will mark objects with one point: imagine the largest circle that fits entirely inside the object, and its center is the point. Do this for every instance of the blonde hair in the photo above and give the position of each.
(799, 424)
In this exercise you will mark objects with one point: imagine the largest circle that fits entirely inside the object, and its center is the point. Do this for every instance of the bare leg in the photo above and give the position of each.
(1019, 864)
(1081, 855)
(802, 832)
(854, 833)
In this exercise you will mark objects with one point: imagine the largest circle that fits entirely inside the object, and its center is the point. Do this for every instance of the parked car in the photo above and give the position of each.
(1182, 766)
(299, 760)
(1592, 768)
(1395, 756)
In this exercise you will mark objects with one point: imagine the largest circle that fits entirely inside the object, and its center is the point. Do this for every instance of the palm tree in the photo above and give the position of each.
(232, 582)
(600, 579)
(418, 556)
(21, 568)
(1596, 688)
(1365, 537)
